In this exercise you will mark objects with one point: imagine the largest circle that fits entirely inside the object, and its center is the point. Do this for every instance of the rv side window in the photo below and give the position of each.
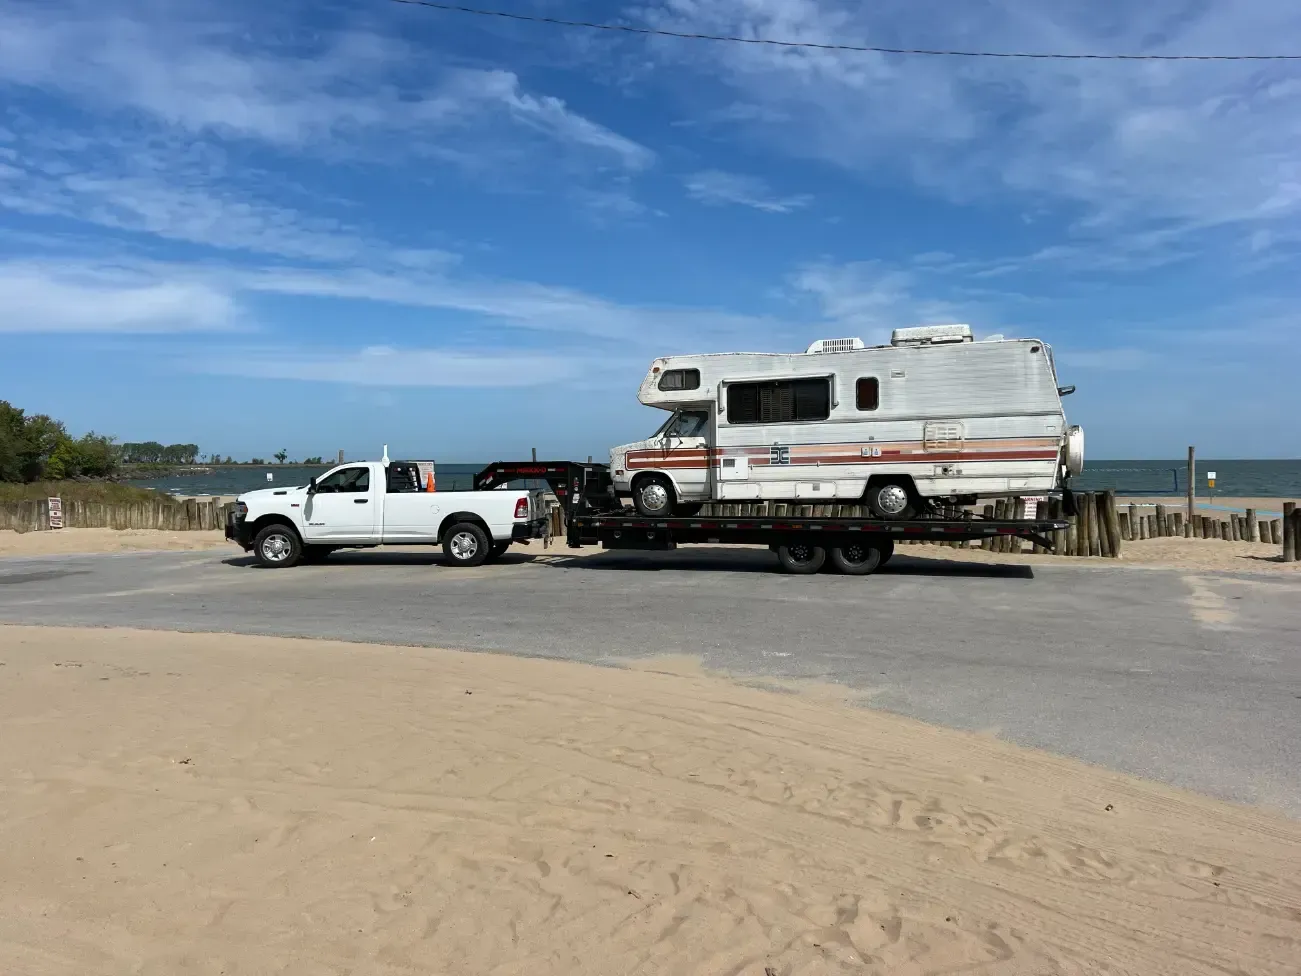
(680, 379)
(868, 392)
(779, 401)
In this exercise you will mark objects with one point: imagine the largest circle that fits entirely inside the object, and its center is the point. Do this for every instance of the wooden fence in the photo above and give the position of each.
(162, 512)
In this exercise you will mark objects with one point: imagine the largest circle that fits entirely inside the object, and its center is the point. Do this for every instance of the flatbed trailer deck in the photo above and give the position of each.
(803, 544)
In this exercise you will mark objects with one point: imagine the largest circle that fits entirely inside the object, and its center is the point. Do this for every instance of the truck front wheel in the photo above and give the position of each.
(466, 544)
(278, 547)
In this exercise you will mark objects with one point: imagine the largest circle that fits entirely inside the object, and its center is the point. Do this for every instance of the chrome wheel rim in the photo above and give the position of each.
(892, 499)
(654, 497)
(277, 548)
(464, 545)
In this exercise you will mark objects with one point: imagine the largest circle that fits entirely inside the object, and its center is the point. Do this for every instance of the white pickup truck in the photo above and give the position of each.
(372, 503)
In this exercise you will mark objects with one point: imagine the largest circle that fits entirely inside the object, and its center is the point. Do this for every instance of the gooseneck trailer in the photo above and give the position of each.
(803, 544)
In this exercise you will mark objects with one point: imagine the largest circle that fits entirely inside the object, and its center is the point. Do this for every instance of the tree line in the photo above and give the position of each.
(37, 447)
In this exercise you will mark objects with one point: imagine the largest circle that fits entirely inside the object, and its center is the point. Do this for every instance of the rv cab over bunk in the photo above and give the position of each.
(934, 415)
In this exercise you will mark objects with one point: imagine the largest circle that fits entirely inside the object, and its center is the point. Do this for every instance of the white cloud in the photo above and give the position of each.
(1129, 145)
(42, 298)
(389, 367)
(718, 187)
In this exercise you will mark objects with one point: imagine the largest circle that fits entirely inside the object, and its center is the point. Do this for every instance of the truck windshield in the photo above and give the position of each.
(684, 423)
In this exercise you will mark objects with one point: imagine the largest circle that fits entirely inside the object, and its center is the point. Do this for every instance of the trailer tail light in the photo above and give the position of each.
(522, 508)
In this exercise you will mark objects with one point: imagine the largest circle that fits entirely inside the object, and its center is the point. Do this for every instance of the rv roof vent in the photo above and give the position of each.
(930, 335)
(836, 345)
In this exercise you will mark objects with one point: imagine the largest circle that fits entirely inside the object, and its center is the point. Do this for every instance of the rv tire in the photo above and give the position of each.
(653, 496)
(801, 558)
(892, 498)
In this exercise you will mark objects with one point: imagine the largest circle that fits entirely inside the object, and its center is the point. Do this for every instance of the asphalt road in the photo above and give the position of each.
(1193, 679)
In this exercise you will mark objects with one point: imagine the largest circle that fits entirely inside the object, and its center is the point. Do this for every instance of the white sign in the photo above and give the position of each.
(56, 512)
(1210, 475)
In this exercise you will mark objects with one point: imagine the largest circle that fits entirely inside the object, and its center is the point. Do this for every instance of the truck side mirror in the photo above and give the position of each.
(1066, 390)
(311, 487)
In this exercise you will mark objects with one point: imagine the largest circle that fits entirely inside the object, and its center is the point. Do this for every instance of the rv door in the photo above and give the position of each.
(684, 449)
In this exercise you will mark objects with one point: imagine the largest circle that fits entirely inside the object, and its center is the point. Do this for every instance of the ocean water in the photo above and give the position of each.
(1267, 479)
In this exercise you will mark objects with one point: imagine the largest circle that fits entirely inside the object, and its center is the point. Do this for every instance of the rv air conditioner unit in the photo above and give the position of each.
(931, 335)
(836, 345)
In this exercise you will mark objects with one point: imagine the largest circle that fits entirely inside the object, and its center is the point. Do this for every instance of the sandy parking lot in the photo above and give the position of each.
(217, 804)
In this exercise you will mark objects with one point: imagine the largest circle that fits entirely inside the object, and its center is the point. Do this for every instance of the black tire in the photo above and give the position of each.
(653, 496)
(277, 546)
(861, 557)
(497, 550)
(801, 558)
(892, 498)
(316, 553)
(887, 550)
(466, 544)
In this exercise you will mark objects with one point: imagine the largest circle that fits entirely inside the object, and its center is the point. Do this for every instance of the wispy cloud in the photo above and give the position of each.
(1128, 146)
(718, 187)
(386, 366)
(44, 298)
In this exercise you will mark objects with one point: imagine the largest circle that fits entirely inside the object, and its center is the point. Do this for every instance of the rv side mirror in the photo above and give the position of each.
(1066, 390)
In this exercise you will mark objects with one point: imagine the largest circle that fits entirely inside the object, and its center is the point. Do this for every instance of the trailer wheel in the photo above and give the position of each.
(887, 550)
(278, 547)
(892, 498)
(801, 558)
(654, 496)
(857, 558)
(466, 544)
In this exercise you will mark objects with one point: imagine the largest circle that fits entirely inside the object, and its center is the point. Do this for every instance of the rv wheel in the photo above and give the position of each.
(891, 499)
(654, 496)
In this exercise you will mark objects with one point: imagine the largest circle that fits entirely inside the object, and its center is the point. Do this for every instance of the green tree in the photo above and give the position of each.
(281, 455)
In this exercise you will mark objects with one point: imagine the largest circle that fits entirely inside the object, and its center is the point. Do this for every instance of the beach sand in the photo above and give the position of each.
(1221, 505)
(206, 804)
(1207, 555)
(73, 541)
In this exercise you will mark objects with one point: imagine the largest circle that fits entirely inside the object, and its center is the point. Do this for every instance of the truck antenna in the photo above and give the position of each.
(384, 460)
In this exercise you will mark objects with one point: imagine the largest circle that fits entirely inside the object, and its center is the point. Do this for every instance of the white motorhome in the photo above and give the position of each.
(933, 415)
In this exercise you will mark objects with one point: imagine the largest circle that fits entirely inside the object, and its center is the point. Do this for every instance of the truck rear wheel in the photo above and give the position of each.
(278, 547)
(801, 558)
(497, 550)
(466, 544)
(857, 558)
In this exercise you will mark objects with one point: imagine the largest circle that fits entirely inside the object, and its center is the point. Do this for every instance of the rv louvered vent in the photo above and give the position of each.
(836, 345)
(931, 335)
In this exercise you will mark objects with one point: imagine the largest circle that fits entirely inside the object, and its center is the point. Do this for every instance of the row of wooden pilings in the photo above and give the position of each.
(163, 512)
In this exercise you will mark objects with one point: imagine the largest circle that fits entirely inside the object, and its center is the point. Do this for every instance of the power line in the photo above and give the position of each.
(774, 42)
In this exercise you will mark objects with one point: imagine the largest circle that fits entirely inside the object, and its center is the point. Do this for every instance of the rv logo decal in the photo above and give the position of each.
(779, 455)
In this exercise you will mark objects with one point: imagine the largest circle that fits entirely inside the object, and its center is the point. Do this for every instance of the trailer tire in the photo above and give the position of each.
(466, 545)
(862, 557)
(801, 558)
(893, 499)
(277, 546)
(653, 496)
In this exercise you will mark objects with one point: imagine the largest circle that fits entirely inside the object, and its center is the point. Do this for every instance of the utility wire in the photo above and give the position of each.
(773, 42)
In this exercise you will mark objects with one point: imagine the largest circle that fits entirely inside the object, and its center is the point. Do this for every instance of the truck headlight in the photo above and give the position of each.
(241, 510)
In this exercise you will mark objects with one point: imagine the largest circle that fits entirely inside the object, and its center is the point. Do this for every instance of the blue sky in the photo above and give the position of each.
(316, 225)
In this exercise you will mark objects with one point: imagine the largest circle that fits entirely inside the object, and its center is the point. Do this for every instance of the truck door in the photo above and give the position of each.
(345, 506)
(685, 451)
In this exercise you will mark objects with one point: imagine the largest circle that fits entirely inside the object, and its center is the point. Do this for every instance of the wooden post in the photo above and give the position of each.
(1177, 520)
(535, 453)
(1276, 531)
(1143, 531)
(987, 543)
(1192, 481)
(1160, 520)
(1234, 533)
(1122, 519)
(1072, 531)
(1059, 535)
(1081, 547)
(1113, 522)
(1289, 532)
(1135, 529)
(1102, 529)
(1226, 531)
(1253, 527)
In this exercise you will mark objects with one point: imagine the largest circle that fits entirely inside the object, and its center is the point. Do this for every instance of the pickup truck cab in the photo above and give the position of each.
(363, 504)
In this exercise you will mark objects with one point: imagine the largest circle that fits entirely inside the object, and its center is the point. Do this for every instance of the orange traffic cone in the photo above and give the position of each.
(429, 482)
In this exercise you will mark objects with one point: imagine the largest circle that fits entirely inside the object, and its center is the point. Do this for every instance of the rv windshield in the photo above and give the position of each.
(684, 423)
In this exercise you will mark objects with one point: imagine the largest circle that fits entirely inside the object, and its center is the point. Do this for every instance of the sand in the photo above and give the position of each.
(70, 541)
(1237, 503)
(1207, 555)
(178, 804)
